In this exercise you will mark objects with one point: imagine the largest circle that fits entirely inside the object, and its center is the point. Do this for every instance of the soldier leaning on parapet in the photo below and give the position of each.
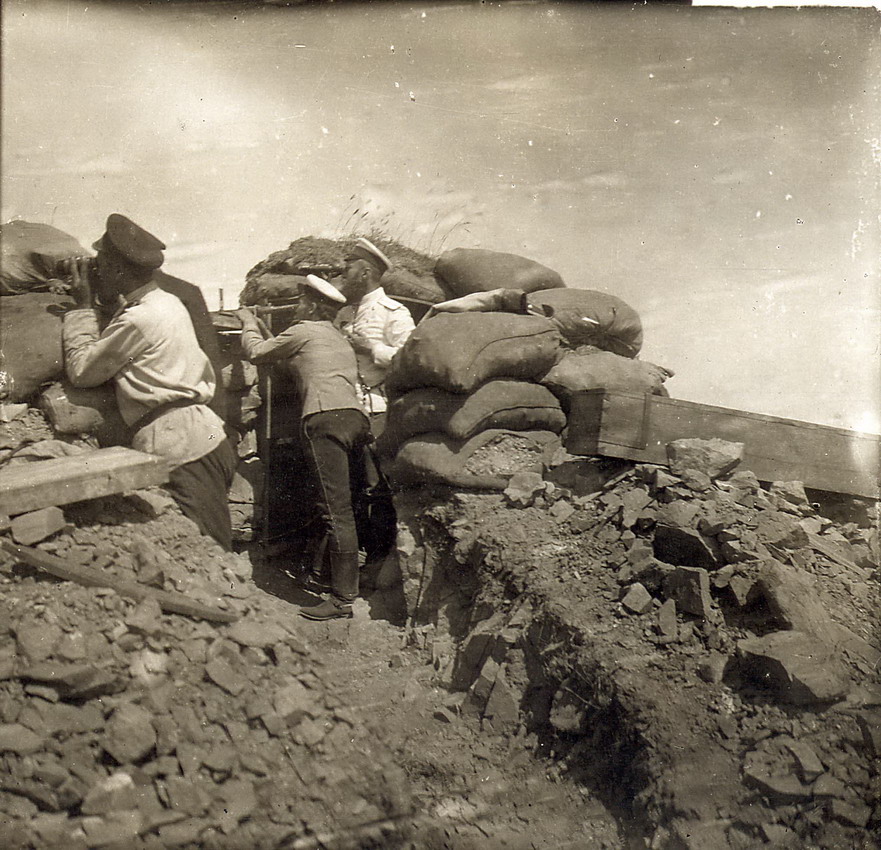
(334, 428)
(164, 381)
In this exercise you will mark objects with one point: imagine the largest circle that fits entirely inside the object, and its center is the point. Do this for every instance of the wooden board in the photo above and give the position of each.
(60, 481)
(638, 426)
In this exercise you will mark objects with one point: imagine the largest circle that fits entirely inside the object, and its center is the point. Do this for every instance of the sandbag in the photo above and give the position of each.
(400, 283)
(458, 352)
(267, 289)
(484, 462)
(29, 253)
(465, 270)
(510, 405)
(30, 341)
(590, 368)
(88, 411)
(613, 325)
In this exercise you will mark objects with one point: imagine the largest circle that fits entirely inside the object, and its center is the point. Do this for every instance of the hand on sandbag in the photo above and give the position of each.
(80, 281)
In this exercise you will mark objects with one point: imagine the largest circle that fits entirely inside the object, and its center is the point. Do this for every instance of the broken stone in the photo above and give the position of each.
(502, 708)
(18, 739)
(712, 668)
(36, 639)
(668, 626)
(114, 793)
(797, 666)
(690, 588)
(793, 598)
(791, 491)
(145, 618)
(35, 526)
(251, 633)
(778, 789)
(223, 675)
(637, 600)
(561, 510)
(828, 786)
(854, 813)
(293, 703)
(809, 764)
(696, 480)
(782, 530)
(150, 502)
(523, 487)
(633, 503)
(119, 828)
(240, 802)
(186, 796)
(685, 546)
(714, 458)
(130, 735)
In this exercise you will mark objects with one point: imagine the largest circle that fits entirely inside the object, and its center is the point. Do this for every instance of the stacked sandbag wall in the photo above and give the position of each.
(467, 382)
(463, 386)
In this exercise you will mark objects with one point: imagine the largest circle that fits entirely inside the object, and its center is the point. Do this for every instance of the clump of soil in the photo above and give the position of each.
(411, 275)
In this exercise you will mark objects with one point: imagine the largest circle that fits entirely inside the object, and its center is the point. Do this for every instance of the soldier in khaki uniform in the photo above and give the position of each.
(376, 325)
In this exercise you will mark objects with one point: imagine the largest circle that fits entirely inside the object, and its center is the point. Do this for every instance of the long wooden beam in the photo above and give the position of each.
(169, 602)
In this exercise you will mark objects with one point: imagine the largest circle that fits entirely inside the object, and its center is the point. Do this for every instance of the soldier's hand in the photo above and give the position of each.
(246, 316)
(360, 344)
(80, 284)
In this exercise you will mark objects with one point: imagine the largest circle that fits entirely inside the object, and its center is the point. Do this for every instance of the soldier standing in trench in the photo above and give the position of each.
(334, 428)
(164, 381)
(377, 327)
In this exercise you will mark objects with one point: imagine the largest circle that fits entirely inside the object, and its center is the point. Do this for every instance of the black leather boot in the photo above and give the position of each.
(344, 581)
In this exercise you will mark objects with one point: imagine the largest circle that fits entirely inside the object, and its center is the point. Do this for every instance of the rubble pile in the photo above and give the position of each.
(124, 726)
(680, 635)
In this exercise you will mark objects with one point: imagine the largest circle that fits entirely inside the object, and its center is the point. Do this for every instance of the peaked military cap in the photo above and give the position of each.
(132, 242)
(328, 290)
(365, 250)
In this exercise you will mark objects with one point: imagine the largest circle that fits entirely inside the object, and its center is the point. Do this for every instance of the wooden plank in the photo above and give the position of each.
(60, 481)
(638, 427)
(175, 603)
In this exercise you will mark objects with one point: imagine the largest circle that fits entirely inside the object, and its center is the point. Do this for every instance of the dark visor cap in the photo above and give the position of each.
(132, 242)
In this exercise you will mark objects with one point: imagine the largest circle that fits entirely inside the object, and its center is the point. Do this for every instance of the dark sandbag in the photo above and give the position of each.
(269, 288)
(614, 325)
(30, 252)
(510, 405)
(590, 369)
(458, 352)
(400, 283)
(484, 462)
(30, 341)
(466, 270)
(88, 411)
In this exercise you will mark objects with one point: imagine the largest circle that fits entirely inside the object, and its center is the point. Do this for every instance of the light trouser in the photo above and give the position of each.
(333, 443)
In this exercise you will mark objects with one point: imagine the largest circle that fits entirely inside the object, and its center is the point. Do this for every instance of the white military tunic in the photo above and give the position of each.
(385, 324)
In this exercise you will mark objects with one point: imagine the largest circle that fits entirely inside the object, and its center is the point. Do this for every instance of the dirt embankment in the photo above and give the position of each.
(702, 653)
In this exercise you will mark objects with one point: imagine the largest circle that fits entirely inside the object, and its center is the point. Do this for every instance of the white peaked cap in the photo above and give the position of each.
(328, 290)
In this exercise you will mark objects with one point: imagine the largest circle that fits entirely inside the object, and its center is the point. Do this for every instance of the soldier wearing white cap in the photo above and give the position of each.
(164, 381)
(334, 428)
(375, 324)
